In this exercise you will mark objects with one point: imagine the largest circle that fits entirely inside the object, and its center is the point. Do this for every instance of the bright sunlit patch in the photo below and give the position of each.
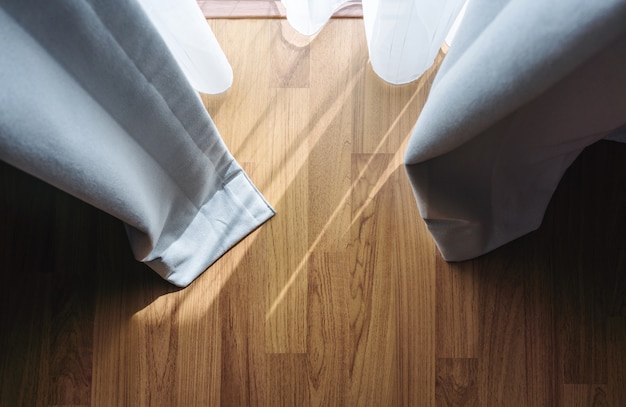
(391, 168)
(200, 296)
(394, 164)
(294, 154)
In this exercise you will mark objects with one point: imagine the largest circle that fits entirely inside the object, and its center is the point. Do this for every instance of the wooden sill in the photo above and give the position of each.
(265, 9)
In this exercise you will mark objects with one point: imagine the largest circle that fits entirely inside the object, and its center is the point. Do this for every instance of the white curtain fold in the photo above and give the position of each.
(403, 36)
(524, 88)
(93, 102)
(189, 38)
(308, 17)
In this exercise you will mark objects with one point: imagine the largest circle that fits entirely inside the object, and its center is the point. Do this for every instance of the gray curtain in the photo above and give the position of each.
(525, 87)
(92, 101)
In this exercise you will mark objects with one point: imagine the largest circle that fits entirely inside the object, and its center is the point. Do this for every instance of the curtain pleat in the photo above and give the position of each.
(94, 103)
(524, 88)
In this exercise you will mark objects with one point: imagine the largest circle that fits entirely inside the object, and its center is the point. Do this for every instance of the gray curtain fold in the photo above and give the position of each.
(93, 102)
(525, 87)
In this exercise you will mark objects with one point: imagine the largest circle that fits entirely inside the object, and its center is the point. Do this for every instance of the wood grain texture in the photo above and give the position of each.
(457, 382)
(414, 271)
(290, 56)
(457, 318)
(539, 317)
(328, 349)
(616, 355)
(341, 299)
(244, 373)
(286, 297)
(372, 290)
(339, 59)
(501, 333)
(72, 305)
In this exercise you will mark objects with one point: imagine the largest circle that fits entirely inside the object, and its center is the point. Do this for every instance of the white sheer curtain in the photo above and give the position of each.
(403, 36)
(183, 27)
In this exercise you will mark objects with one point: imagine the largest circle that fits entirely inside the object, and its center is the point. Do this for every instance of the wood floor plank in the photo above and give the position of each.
(582, 395)
(328, 329)
(579, 289)
(157, 331)
(502, 371)
(46, 355)
(25, 340)
(135, 337)
(72, 309)
(616, 354)
(109, 384)
(72, 303)
(261, 124)
(199, 351)
(457, 382)
(244, 373)
(540, 320)
(287, 288)
(373, 368)
(242, 111)
(287, 380)
(586, 280)
(414, 272)
(290, 56)
(458, 321)
(580, 329)
(333, 85)
(241, 296)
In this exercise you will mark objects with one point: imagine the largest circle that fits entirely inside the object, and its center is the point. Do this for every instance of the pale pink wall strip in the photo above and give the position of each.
(264, 9)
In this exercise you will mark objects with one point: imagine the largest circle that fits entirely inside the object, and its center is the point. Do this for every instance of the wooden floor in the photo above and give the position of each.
(341, 299)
